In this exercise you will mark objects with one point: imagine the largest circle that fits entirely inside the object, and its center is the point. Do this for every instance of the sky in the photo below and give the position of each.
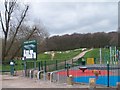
(74, 16)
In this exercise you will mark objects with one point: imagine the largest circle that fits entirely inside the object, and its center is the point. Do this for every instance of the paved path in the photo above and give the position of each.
(78, 56)
(21, 82)
(81, 54)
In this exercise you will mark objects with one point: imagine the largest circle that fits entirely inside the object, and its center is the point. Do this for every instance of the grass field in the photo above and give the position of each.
(95, 53)
(65, 55)
(61, 56)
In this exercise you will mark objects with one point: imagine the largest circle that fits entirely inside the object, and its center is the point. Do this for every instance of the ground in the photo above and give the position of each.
(22, 82)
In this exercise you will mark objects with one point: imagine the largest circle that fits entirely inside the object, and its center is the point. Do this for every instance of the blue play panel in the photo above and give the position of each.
(102, 80)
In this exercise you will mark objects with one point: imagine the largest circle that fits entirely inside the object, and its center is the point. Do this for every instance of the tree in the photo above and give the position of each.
(14, 28)
(6, 24)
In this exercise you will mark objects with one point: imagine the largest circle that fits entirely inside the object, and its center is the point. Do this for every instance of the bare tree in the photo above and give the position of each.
(14, 32)
(5, 23)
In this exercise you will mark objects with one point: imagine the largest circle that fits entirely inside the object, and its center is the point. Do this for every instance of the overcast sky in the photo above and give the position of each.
(75, 17)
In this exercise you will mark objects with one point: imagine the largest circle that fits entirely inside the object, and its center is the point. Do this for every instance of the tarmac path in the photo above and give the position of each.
(22, 82)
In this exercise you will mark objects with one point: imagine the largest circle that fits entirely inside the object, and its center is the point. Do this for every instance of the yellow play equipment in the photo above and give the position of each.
(90, 61)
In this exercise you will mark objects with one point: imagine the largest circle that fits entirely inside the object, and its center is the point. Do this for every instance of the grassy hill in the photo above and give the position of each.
(59, 55)
(65, 55)
(95, 53)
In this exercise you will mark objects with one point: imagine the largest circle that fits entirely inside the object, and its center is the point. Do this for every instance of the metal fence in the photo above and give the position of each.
(109, 74)
(109, 77)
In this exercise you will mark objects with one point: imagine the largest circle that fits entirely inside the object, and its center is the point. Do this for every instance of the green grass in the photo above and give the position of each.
(59, 56)
(18, 66)
(95, 53)
(44, 57)
(92, 54)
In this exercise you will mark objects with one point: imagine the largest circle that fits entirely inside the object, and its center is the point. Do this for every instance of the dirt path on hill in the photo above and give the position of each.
(69, 61)
(78, 56)
(81, 54)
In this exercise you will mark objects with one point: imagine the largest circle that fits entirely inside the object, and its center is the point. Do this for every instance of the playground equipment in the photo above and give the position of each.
(31, 73)
(97, 73)
(90, 61)
(52, 55)
(51, 77)
(48, 75)
(70, 80)
(35, 73)
(39, 74)
(92, 83)
(113, 55)
(83, 68)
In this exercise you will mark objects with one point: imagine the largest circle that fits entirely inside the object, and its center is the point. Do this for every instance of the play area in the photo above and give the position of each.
(101, 65)
(105, 71)
(101, 76)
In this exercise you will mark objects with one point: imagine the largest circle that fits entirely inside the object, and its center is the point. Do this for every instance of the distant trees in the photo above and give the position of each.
(89, 40)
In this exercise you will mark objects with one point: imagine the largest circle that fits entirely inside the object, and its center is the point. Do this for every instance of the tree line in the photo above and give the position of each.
(76, 40)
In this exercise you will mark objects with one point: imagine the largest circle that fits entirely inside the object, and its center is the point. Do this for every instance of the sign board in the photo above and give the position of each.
(30, 50)
(90, 60)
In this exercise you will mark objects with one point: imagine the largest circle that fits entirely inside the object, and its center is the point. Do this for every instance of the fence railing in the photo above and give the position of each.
(113, 71)
(50, 65)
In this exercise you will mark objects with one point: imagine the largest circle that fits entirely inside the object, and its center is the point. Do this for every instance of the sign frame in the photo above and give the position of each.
(29, 50)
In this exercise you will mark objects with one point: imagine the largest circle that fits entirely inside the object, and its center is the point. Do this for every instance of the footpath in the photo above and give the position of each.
(23, 82)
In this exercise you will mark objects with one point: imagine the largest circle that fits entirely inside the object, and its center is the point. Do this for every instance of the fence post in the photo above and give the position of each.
(39, 76)
(45, 66)
(67, 70)
(38, 66)
(41, 65)
(25, 68)
(56, 65)
(65, 64)
(108, 74)
(72, 62)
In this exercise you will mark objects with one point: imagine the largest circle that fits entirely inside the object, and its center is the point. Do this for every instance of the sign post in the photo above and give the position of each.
(29, 52)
